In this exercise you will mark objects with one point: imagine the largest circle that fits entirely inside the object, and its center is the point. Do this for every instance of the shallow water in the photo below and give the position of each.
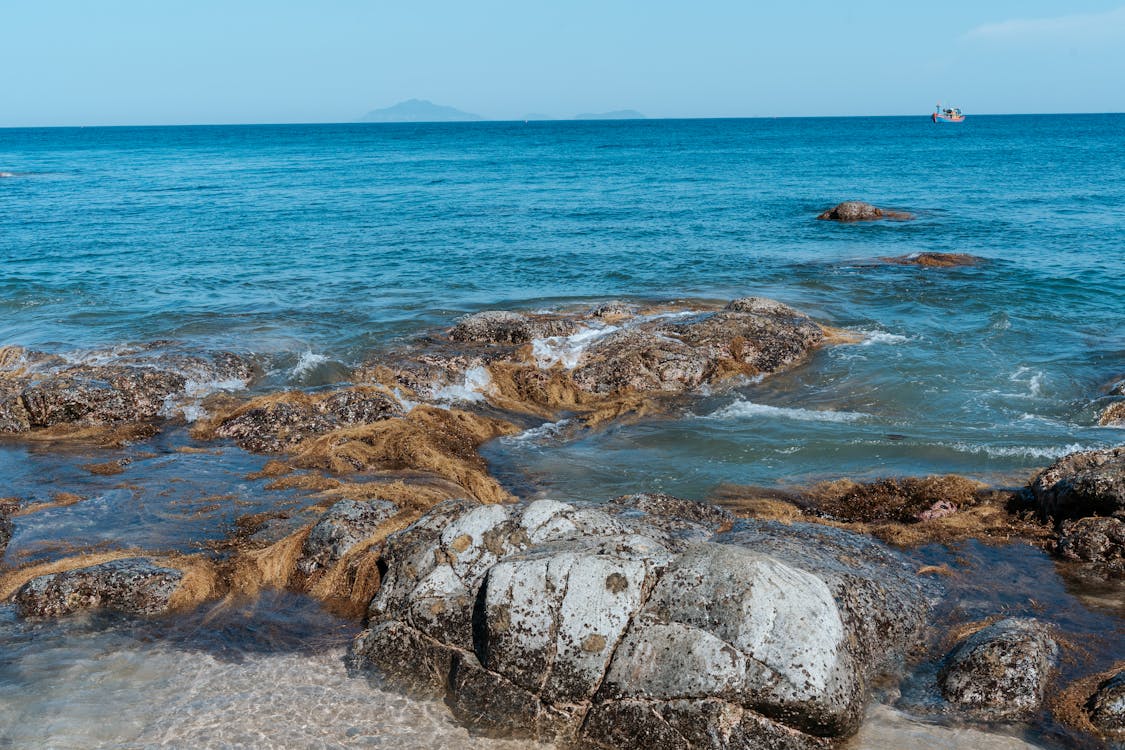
(315, 248)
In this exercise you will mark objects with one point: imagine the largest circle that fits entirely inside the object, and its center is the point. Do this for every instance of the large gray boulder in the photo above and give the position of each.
(1087, 483)
(1001, 672)
(134, 585)
(648, 621)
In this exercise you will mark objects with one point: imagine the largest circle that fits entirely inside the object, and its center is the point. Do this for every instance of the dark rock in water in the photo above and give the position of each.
(346, 524)
(283, 422)
(860, 211)
(1086, 483)
(1095, 540)
(506, 327)
(134, 585)
(665, 623)
(13, 414)
(1001, 672)
(1107, 709)
(936, 260)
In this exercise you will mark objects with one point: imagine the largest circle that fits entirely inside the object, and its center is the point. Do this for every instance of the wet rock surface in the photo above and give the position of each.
(1097, 541)
(274, 424)
(1001, 672)
(648, 621)
(1107, 706)
(936, 260)
(134, 585)
(1086, 483)
(141, 384)
(860, 211)
(340, 529)
(608, 350)
(1113, 415)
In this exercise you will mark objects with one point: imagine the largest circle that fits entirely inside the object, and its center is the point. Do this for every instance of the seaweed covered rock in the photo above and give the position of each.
(860, 211)
(338, 531)
(1001, 671)
(1087, 483)
(134, 585)
(1096, 541)
(39, 390)
(274, 423)
(1107, 706)
(1113, 415)
(935, 260)
(647, 621)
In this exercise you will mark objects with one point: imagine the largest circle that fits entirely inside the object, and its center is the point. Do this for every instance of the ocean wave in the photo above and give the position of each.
(748, 409)
(189, 403)
(543, 433)
(568, 350)
(476, 384)
(306, 363)
(872, 337)
(1018, 451)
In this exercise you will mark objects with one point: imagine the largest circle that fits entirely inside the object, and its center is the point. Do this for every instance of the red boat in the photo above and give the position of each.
(947, 114)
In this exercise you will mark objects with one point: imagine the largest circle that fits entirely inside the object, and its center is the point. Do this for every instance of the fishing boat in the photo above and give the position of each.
(947, 114)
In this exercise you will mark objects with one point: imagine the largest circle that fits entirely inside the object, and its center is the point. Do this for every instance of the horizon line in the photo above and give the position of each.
(486, 121)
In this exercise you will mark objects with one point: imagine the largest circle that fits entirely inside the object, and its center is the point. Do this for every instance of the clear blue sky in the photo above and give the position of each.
(83, 62)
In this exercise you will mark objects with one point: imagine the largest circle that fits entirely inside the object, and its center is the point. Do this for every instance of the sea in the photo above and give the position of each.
(315, 247)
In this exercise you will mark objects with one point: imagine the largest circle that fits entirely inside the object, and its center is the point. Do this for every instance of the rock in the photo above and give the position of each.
(1082, 484)
(641, 361)
(1001, 672)
(346, 524)
(135, 585)
(663, 622)
(860, 211)
(1113, 415)
(40, 390)
(1107, 710)
(275, 423)
(1097, 541)
(506, 327)
(936, 260)
(5, 528)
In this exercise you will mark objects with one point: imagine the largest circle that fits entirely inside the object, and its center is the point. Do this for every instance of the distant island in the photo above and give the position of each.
(618, 114)
(419, 110)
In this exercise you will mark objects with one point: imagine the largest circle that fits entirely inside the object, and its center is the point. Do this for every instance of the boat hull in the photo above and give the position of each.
(947, 118)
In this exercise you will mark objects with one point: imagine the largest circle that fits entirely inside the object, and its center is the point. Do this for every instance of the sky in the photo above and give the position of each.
(134, 62)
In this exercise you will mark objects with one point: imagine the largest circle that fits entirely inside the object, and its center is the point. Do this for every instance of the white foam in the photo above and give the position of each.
(7, 174)
(188, 404)
(568, 350)
(476, 384)
(1033, 378)
(307, 363)
(882, 337)
(1019, 451)
(547, 431)
(742, 409)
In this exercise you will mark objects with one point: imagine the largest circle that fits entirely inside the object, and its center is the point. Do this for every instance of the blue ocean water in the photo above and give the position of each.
(318, 247)
(340, 240)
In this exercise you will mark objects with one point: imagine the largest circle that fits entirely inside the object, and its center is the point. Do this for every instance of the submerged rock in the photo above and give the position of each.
(274, 423)
(1082, 484)
(646, 622)
(860, 211)
(1107, 706)
(936, 260)
(1113, 415)
(135, 585)
(346, 524)
(1001, 671)
(1097, 541)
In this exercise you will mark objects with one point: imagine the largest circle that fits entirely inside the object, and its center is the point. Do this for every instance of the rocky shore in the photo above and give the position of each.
(760, 620)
